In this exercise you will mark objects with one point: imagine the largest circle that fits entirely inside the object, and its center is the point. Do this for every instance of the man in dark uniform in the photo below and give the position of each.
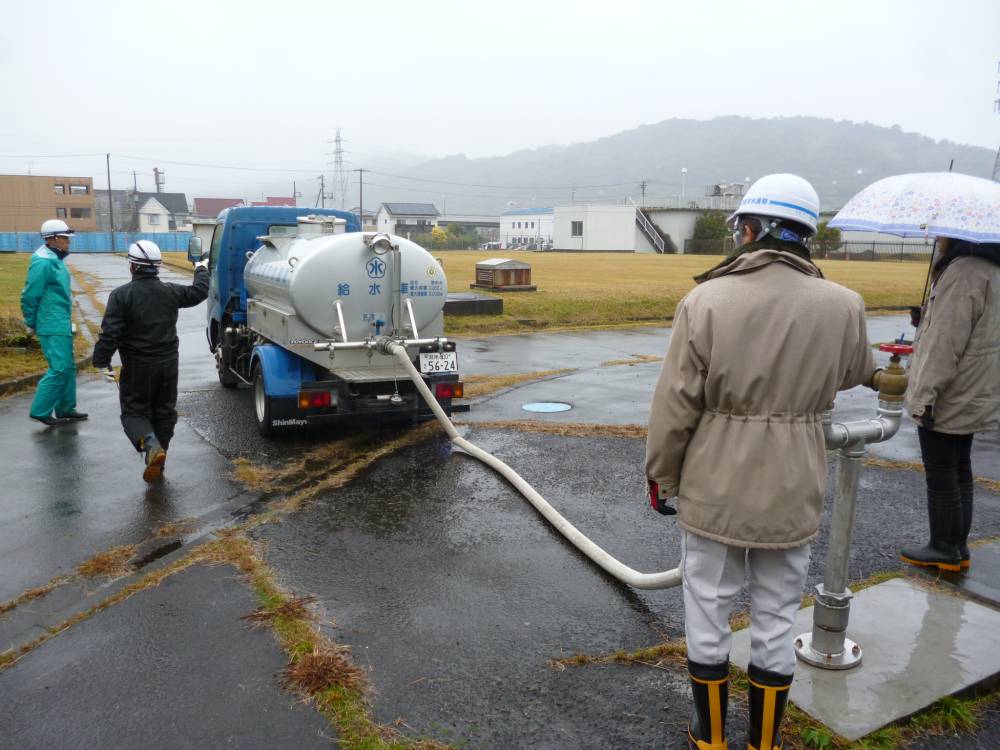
(141, 323)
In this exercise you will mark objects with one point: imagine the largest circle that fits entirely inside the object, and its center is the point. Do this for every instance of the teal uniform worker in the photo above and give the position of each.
(46, 304)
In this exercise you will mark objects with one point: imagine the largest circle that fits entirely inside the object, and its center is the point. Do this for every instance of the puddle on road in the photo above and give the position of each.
(546, 407)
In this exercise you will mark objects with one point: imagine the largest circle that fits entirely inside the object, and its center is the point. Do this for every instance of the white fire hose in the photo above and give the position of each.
(606, 562)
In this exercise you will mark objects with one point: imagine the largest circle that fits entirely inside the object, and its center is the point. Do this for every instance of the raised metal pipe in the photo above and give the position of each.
(828, 646)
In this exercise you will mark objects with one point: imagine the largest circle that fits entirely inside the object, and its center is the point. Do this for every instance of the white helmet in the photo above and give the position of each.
(145, 253)
(781, 196)
(55, 228)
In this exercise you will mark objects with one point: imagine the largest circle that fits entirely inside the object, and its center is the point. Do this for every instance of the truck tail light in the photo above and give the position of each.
(449, 390)
(314, 399)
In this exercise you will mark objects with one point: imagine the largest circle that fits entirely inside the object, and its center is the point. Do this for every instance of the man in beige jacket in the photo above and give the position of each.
(758, 352)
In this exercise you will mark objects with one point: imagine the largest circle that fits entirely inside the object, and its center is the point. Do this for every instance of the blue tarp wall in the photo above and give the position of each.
(96, 242)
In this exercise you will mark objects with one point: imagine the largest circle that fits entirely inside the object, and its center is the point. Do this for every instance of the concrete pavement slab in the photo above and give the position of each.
(918, 644)
(982, 580)
(173, 667)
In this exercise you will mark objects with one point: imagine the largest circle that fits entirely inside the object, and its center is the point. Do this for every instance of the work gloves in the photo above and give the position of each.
(659, 500)
(109, 375)
(203, 263)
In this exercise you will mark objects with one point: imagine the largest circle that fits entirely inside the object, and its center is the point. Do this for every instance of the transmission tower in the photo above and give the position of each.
(339, 192)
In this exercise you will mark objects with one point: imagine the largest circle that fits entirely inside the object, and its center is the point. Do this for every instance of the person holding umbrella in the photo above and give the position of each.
(954, 374)
(954, 390)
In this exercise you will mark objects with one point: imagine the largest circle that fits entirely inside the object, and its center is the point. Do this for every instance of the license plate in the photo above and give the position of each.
(432, 362)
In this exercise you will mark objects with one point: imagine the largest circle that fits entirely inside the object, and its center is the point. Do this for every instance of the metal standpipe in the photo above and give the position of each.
(828, 646)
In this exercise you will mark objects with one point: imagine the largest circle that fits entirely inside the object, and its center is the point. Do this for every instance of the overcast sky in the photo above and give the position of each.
(265, 84)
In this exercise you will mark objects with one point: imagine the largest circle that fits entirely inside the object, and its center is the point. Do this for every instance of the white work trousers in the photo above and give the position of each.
(713, 575)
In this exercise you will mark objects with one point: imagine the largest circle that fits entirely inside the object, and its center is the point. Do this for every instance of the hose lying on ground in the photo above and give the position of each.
(606, 562)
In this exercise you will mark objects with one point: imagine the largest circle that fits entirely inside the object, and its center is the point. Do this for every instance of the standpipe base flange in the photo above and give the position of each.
(849, 658)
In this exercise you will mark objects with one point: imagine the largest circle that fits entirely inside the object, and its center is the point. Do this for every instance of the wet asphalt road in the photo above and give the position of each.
(445, 582)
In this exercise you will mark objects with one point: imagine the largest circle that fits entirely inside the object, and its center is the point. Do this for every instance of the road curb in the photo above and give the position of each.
(18, 384)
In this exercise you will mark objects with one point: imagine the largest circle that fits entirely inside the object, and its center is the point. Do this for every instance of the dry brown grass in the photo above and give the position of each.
(297, 608)
(635, 359)
(113, 563)
(659, 656)
(566, 429)
(323, 668)
(176, 528)
(483, 385)
(588, 290)
(32, 594)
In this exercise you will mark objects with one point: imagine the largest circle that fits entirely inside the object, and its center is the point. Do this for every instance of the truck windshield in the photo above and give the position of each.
(213, 253)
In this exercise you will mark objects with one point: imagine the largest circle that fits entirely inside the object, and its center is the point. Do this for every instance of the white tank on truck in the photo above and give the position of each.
(317, 283)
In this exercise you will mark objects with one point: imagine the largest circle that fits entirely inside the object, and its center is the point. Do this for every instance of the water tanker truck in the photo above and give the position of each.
(299, 300)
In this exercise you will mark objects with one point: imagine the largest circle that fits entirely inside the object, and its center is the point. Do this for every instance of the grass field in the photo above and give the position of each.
(592, 290)
(14, 363)
(609, 289)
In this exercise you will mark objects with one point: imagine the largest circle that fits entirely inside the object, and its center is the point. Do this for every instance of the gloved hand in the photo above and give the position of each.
(203, 263)
(659, 501)
(109, 375)
(927, 418)
(31, 331)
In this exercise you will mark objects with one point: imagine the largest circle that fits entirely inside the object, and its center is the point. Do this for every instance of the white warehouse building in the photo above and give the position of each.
(527, 227)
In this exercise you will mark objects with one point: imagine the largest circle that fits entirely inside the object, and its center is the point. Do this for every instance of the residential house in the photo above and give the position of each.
(406, 219)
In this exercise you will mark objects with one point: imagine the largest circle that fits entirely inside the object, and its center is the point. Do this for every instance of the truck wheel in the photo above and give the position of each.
(226, 377)
(261, 403)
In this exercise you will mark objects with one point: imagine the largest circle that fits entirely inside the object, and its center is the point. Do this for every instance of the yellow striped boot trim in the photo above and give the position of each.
(715, 710)
(767, 730)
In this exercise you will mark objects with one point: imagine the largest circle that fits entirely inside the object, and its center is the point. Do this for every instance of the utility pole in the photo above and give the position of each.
(111, 203)
(160, 178)
(321, 198)
(361, 194)
(135, 182)
(642, 187)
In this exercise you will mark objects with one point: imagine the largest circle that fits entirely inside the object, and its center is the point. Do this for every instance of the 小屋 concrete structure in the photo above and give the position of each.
(503, 275)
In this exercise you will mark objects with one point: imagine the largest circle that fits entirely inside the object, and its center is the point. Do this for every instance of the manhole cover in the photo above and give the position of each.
(547, 407)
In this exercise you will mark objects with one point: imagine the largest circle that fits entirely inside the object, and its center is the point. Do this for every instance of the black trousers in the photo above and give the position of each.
(148, 396)
(947, 460)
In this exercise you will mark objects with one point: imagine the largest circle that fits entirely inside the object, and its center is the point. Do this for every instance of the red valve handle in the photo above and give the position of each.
(902, 349)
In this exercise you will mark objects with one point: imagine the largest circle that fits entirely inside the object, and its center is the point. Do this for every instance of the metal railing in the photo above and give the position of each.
(648, 228)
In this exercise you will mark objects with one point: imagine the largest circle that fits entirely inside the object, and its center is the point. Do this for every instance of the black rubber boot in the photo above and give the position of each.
(768, 697)
(941, 552)
(155, 458)
(710, 690)
(965, 491)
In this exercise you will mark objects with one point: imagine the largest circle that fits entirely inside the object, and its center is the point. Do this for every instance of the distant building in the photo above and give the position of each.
(405, 219)
(28, 200)
(368, 220)
(209, 208)
(526, 227)
(137, 211)
(272, 201)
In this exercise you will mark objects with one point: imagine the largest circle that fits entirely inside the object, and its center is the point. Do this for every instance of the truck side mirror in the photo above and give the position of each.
(194, 249)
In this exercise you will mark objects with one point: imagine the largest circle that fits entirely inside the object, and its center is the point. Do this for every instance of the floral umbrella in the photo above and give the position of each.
(928, 204)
